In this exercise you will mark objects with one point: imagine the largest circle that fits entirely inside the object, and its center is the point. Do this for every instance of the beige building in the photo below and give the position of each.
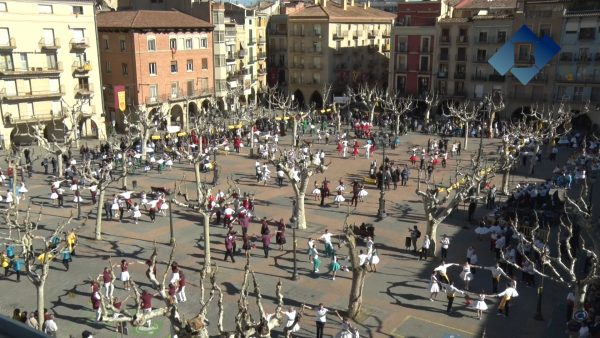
(48, 65)
(336, 44)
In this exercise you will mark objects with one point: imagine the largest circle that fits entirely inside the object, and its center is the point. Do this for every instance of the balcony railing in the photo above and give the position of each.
(49, 44)
(373, 48)
(261, 55)
(251, 60)
(479, 77)
(497, 78)
(340, 35)
(32, 94)
(385, 34)
(251, 42)
(32, 71)
(525, 61)
(372, 35)
(591, 79)
(461, 57)
(80, 43)
(262, 41)
(84, 89)
(81, 67)
(442, 75)
(444, 39)
(8, 45)
(37, 116)
(459, 76)
(443, 57)
(566, 57)
(479, 59)
(230, 57)
(386, 48)
(462, 39)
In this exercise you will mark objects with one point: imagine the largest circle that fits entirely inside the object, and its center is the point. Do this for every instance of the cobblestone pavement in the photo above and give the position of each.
(396, 299)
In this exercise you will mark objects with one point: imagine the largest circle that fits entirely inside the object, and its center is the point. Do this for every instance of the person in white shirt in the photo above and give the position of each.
(50, 327)
(442, 271)
(326, 237)
(509, 293)
(445, 244)
(362, 258)
(321, 319)
(425, 248)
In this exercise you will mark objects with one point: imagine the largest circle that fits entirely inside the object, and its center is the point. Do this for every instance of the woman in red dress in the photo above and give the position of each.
(355, 151)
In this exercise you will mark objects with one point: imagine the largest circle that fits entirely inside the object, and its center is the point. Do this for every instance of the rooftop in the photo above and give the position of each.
(335, 13)
(484, 4)
(144, 19)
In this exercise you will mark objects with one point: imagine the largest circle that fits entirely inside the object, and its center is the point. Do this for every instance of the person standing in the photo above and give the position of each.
(434, 286)
(334, 266)
(292, 322)
(266, 241)
(425, 248)
(181, 297)
(107, 278)
(326, 237)
(280, 236)
(146, 304)
(445, 241)
(96, 300)
(509, 293)
(442, 270)
(451, 291)
(50, 327)
(480, 306)
(414, 236)
(321, 319)
(497, 272)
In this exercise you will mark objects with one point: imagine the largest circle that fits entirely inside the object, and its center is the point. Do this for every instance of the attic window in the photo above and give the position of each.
(78, 10)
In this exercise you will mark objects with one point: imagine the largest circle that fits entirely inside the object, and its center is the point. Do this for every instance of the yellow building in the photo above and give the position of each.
(48, 66)
(336, 44)
(261, 52)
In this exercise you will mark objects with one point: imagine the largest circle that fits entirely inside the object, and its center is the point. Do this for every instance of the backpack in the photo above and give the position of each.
(418, 234)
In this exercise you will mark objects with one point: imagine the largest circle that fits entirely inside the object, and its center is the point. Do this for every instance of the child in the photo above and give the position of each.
(334, 266)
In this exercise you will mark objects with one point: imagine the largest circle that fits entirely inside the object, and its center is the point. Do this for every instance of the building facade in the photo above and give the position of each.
(413, 45)
(340, 45)
(159, 57)
(49, 66)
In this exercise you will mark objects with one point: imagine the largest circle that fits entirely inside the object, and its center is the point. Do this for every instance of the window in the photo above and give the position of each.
(51, 61)
(173, 44)
(424, 64)
(481, 55)
(482, 37)
(122, 45)
(523, 54)
(317, 29)
(151, 45)
(2, 6)
(24, 62)
(174, 89)
(220, 60)
(173, 66)
(78, 10)
(204, 63)
(45, 9)
(219, 36)
(425, 45)
(152, 68)
(203, 83)
(190, 87)
(153, 89)
(188, 44)
(107, 67)
(189, 65)
(587, 33)
(501, 37)
(106, 44)
(124, 69)
(545, 29)
(204, 42)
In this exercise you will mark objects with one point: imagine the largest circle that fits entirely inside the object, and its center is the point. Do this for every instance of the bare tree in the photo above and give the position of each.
(285, 103)
(439, 201)
(431, 100)
(298, 169)
(370, 97)
(532, 130)
(398, 106)
(494, 103)
(467, 114)
(140, 121)
(73, 115)
(359, 272)
(36, 249)
(576, 240)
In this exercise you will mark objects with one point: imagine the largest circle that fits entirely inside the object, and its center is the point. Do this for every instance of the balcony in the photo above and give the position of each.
(372, 35)
(261, 55)
(355, 35)
(443, 57)
(386, 48)
(442, 75)
(479, 77)
(460, 93)
(340, 35)
(566, 57)
(524, 61)
(81, 68)
(317, 34)
(38, 117)
(230, 41)
(8, 45)
(590, 79)
(497, 78)
(251, 60)
(230, 58)
(251, 42)
(461, 57)
(385, 34)
(32, 71)
(84, 89)
(52, 44)
(241, 54)
(459, 76)
(32, 94)
(424, 70)
(583, 58)
(80, 43)
(262, 41)
(444, 39)
(540, 78)
(462, 39)
(479, 59)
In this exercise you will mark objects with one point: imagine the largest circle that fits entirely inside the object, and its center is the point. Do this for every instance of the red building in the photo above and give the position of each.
(413, 43)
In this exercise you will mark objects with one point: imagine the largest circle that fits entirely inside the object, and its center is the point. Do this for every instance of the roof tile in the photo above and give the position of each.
(149, 19)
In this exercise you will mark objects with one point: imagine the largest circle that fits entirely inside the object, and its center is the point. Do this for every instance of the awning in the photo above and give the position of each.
(173, 129)
(183, 133)
(155, 137)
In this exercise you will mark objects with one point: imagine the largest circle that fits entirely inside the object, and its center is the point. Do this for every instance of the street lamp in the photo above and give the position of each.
(381, 211)
(538, 313)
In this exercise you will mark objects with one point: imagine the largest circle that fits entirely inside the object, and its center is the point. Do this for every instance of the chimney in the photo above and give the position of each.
(352, 3)
(345, 4)
(324, 3)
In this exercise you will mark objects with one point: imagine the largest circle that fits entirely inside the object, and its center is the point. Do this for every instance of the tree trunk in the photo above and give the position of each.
(505, 181)
(432, 233)
(397, 124)
(99, 209)
(124, 169)
(294, 131)
(491, 123)
(145, 134)
(39, 288)
(199, 194)
(252, 141)
(356, 291)
(580, 292)
(206, 218)
(427, 114)
(59, 161)
(372, 115)
(466, 135)
(301, 210)
(338, 117)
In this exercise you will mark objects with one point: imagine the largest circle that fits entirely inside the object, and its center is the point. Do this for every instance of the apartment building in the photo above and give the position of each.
(469, 32)
(261, 51)
(578, 65)
(48, 65)
(158, 57)
(413, 45)
(336, 44)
